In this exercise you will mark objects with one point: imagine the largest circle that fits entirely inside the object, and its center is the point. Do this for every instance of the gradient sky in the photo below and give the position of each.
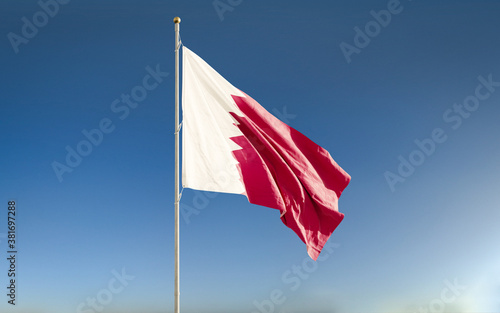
(396, 250)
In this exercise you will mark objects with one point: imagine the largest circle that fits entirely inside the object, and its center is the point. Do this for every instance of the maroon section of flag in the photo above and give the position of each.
(283, 169)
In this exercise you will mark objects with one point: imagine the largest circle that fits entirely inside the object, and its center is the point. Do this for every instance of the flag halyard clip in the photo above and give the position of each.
(179, 44)
(178, 128)
(179, 196)
(180, 193)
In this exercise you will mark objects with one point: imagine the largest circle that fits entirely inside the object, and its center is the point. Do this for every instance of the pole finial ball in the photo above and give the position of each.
(177, 20)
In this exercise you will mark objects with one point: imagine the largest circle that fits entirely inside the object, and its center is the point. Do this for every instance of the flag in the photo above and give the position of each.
(231, 144)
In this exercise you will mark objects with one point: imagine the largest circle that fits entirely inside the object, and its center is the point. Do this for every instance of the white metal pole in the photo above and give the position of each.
(177, 21)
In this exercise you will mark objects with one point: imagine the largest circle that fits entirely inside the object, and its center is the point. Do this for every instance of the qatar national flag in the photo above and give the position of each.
(232, 144)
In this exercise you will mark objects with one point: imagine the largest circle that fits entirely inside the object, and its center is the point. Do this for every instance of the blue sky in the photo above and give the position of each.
(105, 229)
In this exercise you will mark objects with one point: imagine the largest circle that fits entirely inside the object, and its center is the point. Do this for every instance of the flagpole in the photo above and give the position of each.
(177, 21)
